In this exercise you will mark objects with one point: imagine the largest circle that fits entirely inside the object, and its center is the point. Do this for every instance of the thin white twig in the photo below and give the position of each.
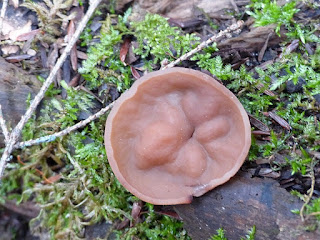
(14, 136)
(204, 44)
(3, 126)
(66, 131)
(3, 13)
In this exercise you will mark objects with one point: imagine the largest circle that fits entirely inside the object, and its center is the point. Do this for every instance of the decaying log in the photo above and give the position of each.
(253, 38)
(26, 209)
(15, 86)
(183, 9)
(242, 203)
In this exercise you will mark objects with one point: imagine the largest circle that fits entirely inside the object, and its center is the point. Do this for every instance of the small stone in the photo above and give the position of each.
(293, 88)
(317, 98)
(31, 52)
(9, 49)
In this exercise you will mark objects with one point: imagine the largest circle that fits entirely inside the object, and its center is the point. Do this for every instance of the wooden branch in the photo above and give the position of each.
(243, 202)
(66, 131)
(3, 13)
(204, 44)
(3, 126)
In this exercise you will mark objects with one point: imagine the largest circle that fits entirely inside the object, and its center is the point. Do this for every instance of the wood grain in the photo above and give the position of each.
(15, 86)
(241, 203)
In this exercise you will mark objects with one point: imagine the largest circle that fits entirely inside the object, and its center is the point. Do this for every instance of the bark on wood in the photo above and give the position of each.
(15, 86)
(241, 203)
(183, 9)
(252, 39)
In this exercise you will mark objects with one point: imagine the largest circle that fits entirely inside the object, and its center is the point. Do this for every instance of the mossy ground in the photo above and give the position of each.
(70, 178)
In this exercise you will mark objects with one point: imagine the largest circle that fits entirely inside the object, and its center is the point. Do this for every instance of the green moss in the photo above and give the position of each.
(268, 12)
(157, 39)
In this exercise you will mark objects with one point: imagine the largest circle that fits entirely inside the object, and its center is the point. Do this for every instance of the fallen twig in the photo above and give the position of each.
(3, 13)
(14, 136)
(3, 126)
(204, 44)
(66, 131)
(313, 182)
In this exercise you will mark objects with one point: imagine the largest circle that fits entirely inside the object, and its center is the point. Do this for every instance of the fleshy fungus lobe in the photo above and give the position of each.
(177, 133)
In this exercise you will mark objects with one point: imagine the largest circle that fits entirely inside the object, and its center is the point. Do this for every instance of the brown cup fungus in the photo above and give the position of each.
(177, 133)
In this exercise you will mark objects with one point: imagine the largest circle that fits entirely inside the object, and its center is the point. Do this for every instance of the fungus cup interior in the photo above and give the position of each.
(177, 133)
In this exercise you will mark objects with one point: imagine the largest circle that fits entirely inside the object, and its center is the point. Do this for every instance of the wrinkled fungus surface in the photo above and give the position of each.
(176, 134)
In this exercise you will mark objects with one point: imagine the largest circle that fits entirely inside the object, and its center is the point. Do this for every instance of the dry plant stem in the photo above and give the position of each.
(204, 44)
(312, 214)
(13, 139)
(3, 126)
(2, 14)
(66, 131)
(313, 181)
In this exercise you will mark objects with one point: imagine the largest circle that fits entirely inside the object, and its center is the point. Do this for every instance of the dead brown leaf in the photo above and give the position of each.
(279, 120)
(124, 50)
(258, 124)
(135, 73)
(28, 35)
(73, 53)
(13, 35)
(53, 179)
(9, 49)
(18, 58)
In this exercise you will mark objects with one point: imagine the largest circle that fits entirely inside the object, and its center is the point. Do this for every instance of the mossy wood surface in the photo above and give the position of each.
(241, 203)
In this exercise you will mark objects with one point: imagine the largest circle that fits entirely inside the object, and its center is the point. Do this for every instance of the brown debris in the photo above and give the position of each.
(278, 119)
(263, 49)
(73, 53)
(135, 73)
(252, 40)
(28, 35)
(124, 50)
(18, 58)
(27, 209)
(184, 9)
(258, 124)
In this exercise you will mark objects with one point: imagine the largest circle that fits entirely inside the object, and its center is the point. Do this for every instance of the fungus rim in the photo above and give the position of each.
(199, 190)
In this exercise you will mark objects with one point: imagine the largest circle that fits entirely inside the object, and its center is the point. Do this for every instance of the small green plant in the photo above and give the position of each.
(157, 39)
(268, 12)
(314, 208)
(300, 163)
(221, 235)
(101, 56)
(155, 227)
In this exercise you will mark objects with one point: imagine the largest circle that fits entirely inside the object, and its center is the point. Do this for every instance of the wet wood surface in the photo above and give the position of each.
(15, 86)
(242, 203)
